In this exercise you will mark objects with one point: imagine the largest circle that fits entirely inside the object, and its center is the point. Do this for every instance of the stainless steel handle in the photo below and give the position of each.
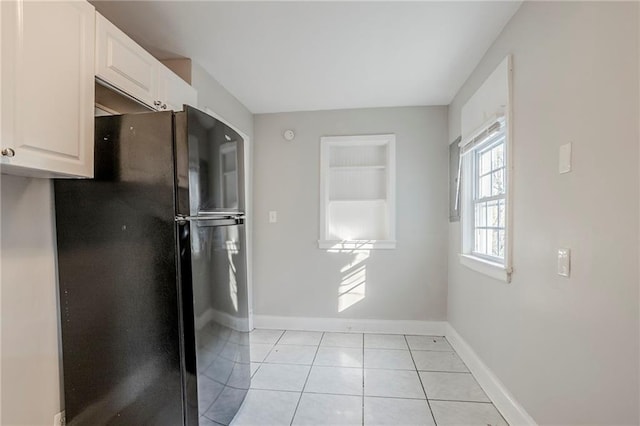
(220, 213)
(205, 218)
(8, 152)
(233, 216)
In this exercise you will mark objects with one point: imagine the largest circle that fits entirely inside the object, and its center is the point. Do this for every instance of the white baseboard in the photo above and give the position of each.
(428, 328)
(203, 319)
(223, 318)
(504, 401)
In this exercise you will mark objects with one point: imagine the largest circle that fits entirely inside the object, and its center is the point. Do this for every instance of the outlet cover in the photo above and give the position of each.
(564, 262)
(564, 163)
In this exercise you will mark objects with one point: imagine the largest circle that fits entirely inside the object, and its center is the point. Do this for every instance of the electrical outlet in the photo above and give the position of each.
(59, 419)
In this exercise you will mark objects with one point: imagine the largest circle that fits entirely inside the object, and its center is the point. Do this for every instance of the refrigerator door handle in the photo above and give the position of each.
(220, 213)
(221, 220)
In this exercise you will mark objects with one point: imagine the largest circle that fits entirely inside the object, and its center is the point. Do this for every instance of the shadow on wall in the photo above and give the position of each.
(353, 275)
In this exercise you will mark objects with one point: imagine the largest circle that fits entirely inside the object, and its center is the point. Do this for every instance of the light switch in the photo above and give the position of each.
(564, 262)
(565, 158)
(273, 216)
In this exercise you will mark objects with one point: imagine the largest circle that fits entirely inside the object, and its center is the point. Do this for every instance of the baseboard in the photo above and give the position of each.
(504, 401)
(429, 328)
(203, 319)
(222, 318)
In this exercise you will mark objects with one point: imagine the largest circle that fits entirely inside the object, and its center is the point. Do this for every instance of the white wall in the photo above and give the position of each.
(31, 372)
(214, 96)
(566, 348)
(292, 276)
(31, 376)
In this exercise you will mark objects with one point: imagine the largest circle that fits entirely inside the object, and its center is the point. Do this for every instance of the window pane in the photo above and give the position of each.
(498, 182)
(485, 162)
(484, 186)
(501, 240)
(495, 244)
(502, 217)
(492, 213)
(497, 157)
(481, 214)
(481, 241)
(490, 242)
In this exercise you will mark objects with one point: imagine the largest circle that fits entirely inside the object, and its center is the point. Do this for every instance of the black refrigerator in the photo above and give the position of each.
(152, 274)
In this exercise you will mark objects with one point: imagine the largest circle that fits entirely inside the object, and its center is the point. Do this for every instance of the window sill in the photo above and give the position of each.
(338, 245)
(493, 270)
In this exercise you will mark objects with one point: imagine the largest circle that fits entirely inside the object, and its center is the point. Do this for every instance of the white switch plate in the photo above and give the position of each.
(273, 216)
(564, 164)
(564, 262)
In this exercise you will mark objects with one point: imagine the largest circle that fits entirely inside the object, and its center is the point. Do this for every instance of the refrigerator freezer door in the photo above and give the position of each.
(213, 272)
(209, 164)
(117, 279)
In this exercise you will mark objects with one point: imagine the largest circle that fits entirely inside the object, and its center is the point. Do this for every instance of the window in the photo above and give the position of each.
(485, 176)
(485, 196)
(489, 199)
(357, 194)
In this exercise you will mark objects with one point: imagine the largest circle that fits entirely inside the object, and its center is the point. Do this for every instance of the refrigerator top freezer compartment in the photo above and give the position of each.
(209, 165)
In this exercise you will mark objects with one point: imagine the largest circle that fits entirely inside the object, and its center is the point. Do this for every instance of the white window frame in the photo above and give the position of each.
(328, 142)
(479, 140)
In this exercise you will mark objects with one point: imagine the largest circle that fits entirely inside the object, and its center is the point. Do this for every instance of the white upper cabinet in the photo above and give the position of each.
(125, 65)
(47, 74)
(174, 91)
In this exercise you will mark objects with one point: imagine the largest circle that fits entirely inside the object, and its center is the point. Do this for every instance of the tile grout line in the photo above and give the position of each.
(461, 400)
(265, 357)
(421, 384)
(370, 396)
(306, 380)
(472, 376)
(268, 353)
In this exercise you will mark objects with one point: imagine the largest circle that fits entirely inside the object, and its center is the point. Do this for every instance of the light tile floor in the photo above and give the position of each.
(314, 378)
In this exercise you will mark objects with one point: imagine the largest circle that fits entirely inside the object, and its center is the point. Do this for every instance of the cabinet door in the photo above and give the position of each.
(47, 82)
(173, 91)
(124, 64)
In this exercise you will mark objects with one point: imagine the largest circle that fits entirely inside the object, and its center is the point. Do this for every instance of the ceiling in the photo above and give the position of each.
(303, 56)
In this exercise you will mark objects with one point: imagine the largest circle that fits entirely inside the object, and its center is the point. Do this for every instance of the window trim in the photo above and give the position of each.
(485, 267)
(485, 264)
(326, 142)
